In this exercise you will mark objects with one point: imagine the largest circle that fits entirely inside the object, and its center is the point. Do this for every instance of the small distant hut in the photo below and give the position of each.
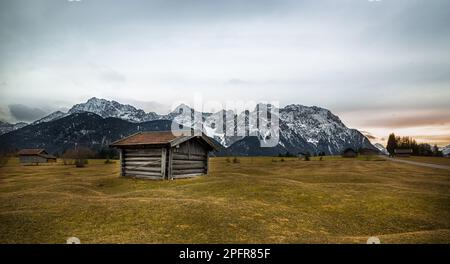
(163, 155)
(35, 156)
(368, 152)
(349, 153)
(403, 152)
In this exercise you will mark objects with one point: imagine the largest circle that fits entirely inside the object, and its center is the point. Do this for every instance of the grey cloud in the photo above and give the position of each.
(236, 81)
(410, 121)
(441, 138)
(347, 55)
(3, 116)
(113, 76)
(24, 113)
(415, 22)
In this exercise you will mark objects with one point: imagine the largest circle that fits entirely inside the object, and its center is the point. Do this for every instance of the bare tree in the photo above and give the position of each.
(79, 156)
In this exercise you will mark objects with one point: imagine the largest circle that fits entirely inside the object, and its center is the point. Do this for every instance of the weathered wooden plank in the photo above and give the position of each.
(143, 151)
(140, 168)
(192, 154)
(189, 166)
(198, 148)
(144, 163)
(193, 147)
(190, 171)
(170, 164)
(182, 162)
(163, 162)
(143, 159)
(146, 177)
(144, 173)
(122, 173)
(131, 155)
(177, 156)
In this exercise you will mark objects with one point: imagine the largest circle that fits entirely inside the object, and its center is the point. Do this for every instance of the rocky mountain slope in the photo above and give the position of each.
(7, 127)
(303, 130)
(80, 129)
(381, 148)
(300, 129)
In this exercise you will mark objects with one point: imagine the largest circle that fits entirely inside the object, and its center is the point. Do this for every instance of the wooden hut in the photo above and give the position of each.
(35, 156)
(403, 152)
(163, 155)
(349, 153)
(368, 152)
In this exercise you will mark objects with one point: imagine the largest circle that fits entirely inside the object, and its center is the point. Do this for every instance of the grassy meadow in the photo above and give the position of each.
(433, 160)
(256, 200)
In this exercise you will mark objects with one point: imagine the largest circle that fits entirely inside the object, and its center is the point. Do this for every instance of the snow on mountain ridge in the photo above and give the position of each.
(301, 128)
(6, 127)
(105, 108)
(53, 116)
(381, 148)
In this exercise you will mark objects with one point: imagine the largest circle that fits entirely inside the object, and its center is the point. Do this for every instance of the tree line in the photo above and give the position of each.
(418, 149)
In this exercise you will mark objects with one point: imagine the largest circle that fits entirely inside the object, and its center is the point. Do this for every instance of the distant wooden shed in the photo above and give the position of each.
(368, 152)
(35, 156)
(163, 155)
(403, 152)
(349, 153)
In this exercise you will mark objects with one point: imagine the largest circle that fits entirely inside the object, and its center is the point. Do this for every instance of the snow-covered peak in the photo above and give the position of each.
(105, 109)
(53, 116)
(320, 115)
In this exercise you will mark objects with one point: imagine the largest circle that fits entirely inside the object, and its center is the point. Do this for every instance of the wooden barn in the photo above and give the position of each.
(349, 153)
(368, 152)
(403, 152)
(163, 155)
(35, 156)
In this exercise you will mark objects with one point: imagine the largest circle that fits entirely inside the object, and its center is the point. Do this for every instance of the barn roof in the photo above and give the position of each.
(160, 138)
(35, 152)
(32, 152)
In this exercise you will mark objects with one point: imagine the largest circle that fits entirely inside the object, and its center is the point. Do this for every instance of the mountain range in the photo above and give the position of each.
(98, 122)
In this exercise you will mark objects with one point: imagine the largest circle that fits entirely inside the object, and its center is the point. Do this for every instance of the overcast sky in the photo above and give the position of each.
(382, 66)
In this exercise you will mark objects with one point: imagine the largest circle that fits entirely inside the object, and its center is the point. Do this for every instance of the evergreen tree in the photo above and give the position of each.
(437, 152)
(391, 144)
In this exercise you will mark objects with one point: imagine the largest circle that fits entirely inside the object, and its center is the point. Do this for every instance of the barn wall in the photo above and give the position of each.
(189, 159)
(145, 163)
(32, 159)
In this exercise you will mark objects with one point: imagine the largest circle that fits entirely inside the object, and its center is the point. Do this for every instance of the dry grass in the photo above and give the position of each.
(258, 200)
(431, 160)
